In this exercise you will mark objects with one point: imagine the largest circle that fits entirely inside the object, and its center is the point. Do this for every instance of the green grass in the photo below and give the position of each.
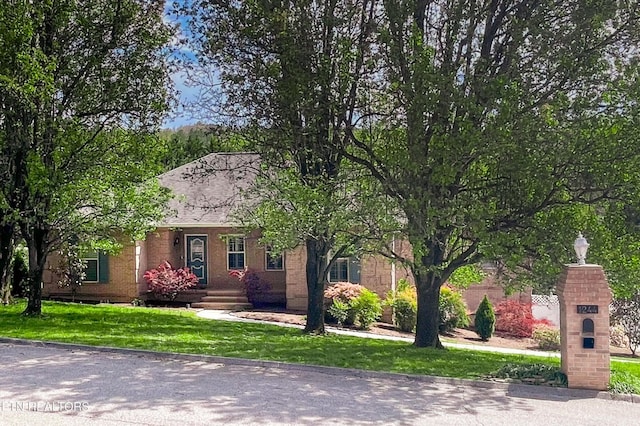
(181, 331)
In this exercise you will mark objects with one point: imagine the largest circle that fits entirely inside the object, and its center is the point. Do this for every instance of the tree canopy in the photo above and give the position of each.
(494, 129)
(83, 85)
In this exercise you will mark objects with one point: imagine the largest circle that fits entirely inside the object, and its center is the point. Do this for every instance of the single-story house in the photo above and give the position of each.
(200, 233)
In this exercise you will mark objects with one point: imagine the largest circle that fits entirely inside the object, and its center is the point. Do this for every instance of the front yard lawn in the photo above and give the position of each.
(168, 330)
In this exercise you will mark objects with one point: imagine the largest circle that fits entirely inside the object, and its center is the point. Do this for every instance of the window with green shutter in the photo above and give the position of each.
(96, 267)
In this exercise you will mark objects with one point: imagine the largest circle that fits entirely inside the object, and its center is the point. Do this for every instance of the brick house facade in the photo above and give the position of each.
(200, 234)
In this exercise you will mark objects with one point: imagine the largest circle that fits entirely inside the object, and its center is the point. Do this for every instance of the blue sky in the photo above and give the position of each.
(185, 93)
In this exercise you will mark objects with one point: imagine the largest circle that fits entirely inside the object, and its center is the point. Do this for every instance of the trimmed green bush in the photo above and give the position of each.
(485, 320)
(453, 311)
(404, 304)
(367, 308)
(339, 311)
(547, 338)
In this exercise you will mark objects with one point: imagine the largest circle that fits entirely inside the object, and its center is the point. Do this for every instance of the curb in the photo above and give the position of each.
(512, 389)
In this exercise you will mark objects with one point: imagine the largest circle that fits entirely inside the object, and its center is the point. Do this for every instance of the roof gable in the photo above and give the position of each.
(207, 190)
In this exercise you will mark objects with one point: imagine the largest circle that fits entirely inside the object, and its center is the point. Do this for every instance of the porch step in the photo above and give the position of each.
(225, 306)
(225, 299)
(230, 299)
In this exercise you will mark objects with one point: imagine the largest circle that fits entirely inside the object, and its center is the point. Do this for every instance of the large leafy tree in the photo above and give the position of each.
(82, 84)
(292, 69)
(497, 120)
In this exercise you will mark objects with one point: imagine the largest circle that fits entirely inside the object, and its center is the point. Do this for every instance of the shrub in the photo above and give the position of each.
(547, 338)
(485, 319)
(625, 312)
(404, 303)
(254, 285)
(516, 319)
(453, 311)
(339, 310)
(345, 292)
(363, 306)
(618, 336)
(367, 307)
(165, 281)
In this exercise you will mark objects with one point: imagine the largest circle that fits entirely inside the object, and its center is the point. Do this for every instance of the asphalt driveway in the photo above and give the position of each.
(56, 385)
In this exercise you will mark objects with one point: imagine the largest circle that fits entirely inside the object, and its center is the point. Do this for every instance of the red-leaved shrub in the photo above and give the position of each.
(516, 319)
(254, 285)
(165, 281)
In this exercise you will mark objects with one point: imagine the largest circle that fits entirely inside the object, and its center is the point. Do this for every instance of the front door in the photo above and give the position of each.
(197, 257)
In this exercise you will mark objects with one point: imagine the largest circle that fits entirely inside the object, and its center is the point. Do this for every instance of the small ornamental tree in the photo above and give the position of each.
(625, 312)
(71, 269)
(485, 320)
(254, 285)
(167, 282)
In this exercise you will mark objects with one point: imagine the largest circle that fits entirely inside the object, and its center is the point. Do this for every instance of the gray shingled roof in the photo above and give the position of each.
(208, 189)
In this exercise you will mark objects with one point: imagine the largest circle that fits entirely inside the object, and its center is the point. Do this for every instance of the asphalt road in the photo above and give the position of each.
(78, 386)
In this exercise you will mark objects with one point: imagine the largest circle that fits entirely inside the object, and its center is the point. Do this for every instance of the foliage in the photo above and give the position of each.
(341, 311)
(465, 276)
(547, 338)
(351, 304)
(625, 312)
(288, 76)
(623, 382)
(344, 291)
(453, 310)
(367, 307)
(165, 281)
(254, 285)
(618, 336)
(189, 143)
(84, 85)
(404, 304)
(533, 374)
(480, 104)
(516, 319)
(485, 319)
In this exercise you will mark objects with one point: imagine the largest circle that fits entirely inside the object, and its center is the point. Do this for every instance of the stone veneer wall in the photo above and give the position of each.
(584, 285)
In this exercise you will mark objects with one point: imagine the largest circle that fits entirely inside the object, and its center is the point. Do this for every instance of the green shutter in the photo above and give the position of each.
(103, 267)
(354, 270)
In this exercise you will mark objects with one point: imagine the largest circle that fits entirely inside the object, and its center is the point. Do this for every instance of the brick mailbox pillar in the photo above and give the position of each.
(584, 297)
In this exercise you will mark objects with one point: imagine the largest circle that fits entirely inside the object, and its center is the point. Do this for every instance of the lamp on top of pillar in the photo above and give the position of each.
(581, 246)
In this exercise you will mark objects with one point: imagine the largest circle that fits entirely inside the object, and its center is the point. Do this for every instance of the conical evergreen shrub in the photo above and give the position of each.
(485, 321)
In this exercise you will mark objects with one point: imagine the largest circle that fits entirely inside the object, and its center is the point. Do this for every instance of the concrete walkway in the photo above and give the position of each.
(228, 316)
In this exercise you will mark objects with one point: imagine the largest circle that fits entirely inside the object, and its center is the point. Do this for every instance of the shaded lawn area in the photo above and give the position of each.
(181, 331)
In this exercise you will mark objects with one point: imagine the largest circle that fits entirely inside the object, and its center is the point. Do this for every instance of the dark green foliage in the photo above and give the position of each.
(485, 320)
(367, 307)
(404, 304)
(453, 311)
(535, 374)
(84, 84)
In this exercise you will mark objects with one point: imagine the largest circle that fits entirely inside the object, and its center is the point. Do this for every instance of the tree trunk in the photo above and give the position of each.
(36, 243)
(428, 313)
(316, 254)
(7, 240)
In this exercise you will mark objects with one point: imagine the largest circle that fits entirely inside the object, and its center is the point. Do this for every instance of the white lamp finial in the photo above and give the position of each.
(581, 246)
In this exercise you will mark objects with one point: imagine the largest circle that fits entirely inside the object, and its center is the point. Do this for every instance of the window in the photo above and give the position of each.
(235, 252)
(345, 269)
(274, 261)
(96, 267)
